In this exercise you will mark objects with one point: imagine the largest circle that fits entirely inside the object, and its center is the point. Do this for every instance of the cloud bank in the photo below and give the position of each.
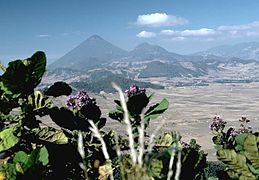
(210, 34)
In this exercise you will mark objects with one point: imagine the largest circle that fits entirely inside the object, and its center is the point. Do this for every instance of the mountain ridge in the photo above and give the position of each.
(245, 50)
(147, 64)
(95, 52)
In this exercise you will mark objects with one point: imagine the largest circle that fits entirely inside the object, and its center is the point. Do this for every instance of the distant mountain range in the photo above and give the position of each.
(249, 50)
(97, 52)
(95, 63)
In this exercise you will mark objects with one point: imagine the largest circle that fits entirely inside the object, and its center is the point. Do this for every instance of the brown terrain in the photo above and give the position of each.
(192, 109)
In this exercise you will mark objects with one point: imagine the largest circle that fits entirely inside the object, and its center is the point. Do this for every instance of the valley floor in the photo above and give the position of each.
(193, 108)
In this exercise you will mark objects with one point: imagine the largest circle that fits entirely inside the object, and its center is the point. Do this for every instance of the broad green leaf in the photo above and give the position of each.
(240, 139)
(154, 111)
(235, 162)
(91, 111)
(251, 150)
(37, 66)
(23, 76)
(15, 78)
(21, 157)
(51, 135)
(58, 89)
(37, 156)
(43, 156)
(24, 161)
(8, 138)
(137, 103)
(38, 101)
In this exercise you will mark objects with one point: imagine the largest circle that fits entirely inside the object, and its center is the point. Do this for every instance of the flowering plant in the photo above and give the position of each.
(80, 99)
(218, 124)
(136, 103)
(225, 139)
(134, 89)
(243, 127)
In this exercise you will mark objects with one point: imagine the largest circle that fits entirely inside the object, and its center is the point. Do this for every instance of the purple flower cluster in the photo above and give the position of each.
(218, 124)
(235, 131)
(79, 100)
(133, 90)
(243, 129)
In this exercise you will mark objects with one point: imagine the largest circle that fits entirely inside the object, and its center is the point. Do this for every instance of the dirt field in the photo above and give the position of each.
(192, 109)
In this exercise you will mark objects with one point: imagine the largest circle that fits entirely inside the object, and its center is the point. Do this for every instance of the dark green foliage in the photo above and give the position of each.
(51, 135)
(67, 119)
(243, 159)
(9, 137)
(23, 76)
(237, 148)
(135, 105)
(21, 131)
(39, 103)
(193, 159)
(27, 166)
(58, 89)
(215, 169)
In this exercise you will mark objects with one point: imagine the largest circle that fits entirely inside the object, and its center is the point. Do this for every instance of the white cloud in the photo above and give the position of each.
(43, 35)
(160, 19)
(198, 32)
(146, 34)
(242, 30)
(209, 34)
(241, 27)
(169, 32)
(189, 33)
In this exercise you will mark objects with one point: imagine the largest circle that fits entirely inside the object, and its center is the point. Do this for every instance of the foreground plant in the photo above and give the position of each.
(22, 128)
(136, 103)
(79, 148)
(165, 158)
(238, 148)
(225, 138)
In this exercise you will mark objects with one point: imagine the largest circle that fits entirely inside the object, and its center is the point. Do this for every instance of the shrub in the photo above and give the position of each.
(238, 149)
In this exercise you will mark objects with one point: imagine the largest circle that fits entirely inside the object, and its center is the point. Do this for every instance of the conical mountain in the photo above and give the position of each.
(146, 51)
(92, 52)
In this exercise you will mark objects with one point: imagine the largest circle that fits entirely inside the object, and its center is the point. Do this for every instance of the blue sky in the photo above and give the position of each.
(181, 26)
